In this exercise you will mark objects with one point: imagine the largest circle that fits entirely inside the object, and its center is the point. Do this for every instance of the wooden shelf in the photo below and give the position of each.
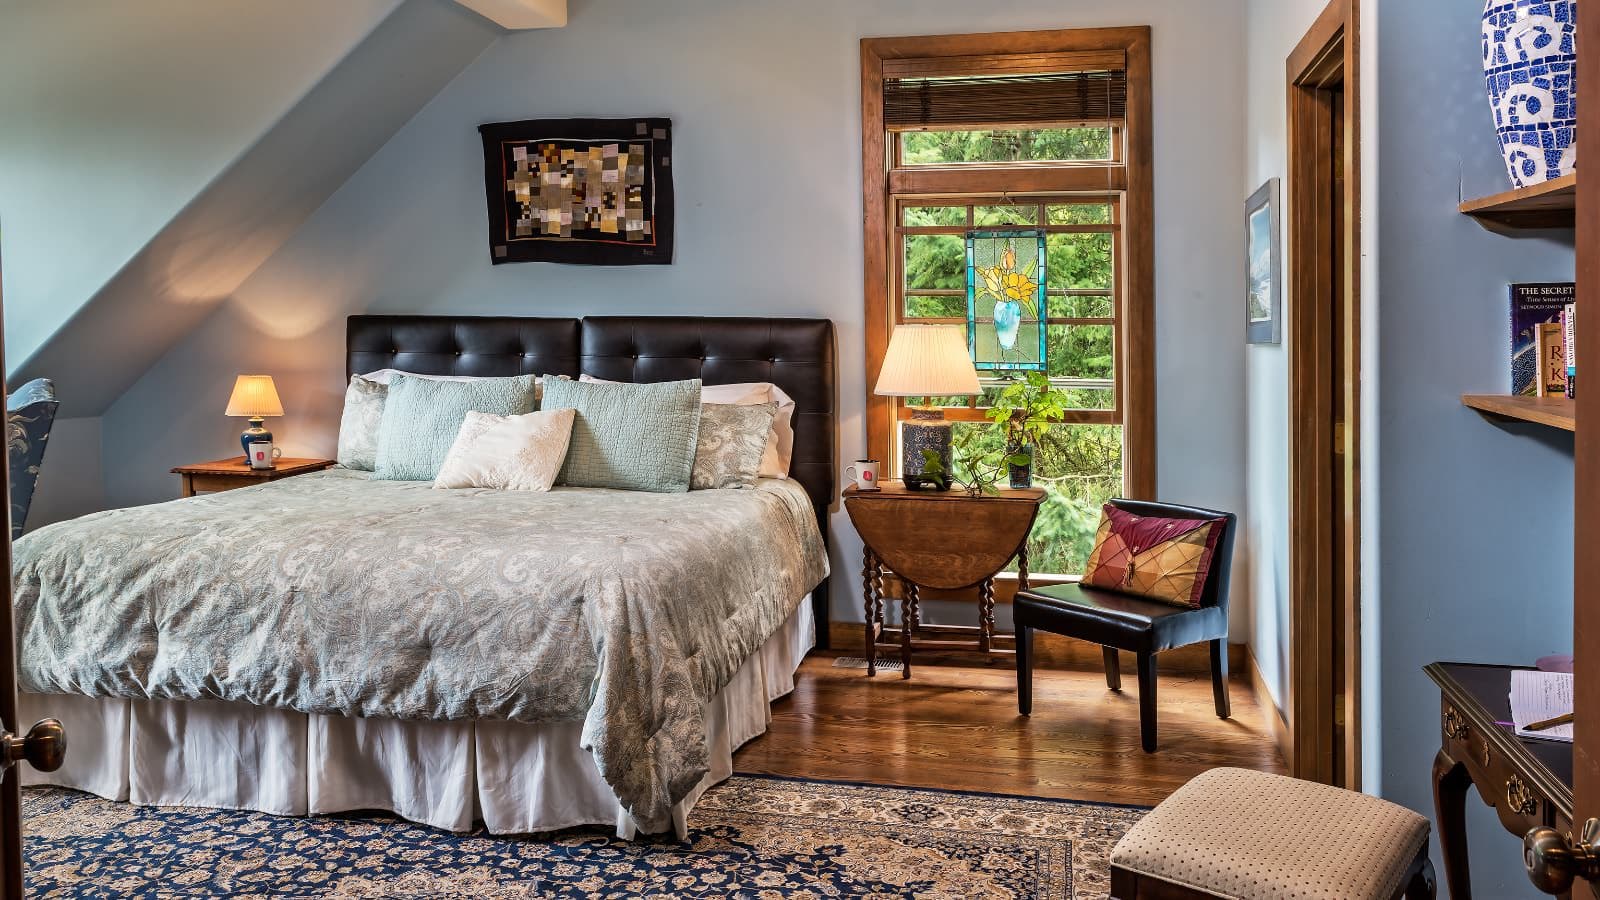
(1556, 412)
(1552, 204)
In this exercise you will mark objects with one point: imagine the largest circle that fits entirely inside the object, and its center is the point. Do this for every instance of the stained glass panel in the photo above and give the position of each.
(1006, 275)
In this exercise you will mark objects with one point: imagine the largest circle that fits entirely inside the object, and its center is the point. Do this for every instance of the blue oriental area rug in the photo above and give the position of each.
(750, 837)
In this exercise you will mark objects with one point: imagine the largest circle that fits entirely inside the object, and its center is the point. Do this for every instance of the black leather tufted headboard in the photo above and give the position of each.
(795, 354)
(462, 345)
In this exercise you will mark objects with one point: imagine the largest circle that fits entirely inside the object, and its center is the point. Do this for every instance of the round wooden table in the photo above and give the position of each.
(946, 540)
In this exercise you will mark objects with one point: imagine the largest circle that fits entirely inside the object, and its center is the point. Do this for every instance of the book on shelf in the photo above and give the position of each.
(1552, 344)
(1569, 327)
(1533, 304)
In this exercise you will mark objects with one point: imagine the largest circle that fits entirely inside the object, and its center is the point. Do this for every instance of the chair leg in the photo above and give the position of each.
(1219, 677)
(1147, 701)
(1024, 670)
(1113, 668)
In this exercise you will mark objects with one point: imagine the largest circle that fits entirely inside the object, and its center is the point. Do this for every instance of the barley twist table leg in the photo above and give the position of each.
(985, 615)
(869, 605)
(910, 616)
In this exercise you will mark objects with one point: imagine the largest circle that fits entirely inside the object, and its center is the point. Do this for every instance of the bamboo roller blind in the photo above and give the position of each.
(1004, 90)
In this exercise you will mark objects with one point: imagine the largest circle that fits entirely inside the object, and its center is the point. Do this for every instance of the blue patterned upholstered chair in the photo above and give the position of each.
(30, 410)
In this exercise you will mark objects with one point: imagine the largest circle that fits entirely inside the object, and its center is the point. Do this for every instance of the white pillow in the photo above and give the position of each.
(384, 376)
(780, 443)
(508, 453)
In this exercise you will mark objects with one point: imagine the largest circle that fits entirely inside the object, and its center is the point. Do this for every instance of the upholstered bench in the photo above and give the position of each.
(1248, 835)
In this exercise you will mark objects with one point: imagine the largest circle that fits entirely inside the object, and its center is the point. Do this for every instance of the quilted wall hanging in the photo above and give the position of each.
(594, 192)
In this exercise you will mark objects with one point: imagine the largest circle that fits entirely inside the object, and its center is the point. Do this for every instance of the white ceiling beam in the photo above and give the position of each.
(517, 15)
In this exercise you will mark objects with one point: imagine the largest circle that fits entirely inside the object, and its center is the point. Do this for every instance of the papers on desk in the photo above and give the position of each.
(1536, 696)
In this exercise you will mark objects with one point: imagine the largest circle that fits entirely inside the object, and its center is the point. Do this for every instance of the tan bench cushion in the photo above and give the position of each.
(1248, 835)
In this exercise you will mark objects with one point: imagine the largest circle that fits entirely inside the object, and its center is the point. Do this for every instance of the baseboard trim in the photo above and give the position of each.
(1052, 651)
(1276, 723)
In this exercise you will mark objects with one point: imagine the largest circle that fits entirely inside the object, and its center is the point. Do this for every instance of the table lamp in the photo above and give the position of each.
(254, 396)
(926, 361)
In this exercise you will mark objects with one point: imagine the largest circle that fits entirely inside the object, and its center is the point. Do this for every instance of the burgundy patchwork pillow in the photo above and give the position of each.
(1150, 556)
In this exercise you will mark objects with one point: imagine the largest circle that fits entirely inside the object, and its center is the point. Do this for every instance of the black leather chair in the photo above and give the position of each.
(1125, 622)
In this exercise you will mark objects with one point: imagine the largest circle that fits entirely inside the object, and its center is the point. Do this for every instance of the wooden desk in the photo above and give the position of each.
(937, 539)
(1529, 783)
(230, 473)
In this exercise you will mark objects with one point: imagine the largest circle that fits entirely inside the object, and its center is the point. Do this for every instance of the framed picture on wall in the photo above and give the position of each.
(1263, 267)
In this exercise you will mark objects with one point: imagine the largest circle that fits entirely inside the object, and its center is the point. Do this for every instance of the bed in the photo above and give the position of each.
(531, 661)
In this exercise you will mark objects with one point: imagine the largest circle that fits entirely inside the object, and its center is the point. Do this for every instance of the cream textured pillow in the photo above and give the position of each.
(779, 452)
(508, 453)
(732, 439)
(358, 426)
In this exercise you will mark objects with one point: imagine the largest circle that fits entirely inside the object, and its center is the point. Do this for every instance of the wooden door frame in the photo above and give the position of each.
(10, 778)
(1326, 59)
(1586, 461)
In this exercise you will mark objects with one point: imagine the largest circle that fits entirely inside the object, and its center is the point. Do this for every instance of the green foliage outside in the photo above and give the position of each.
(920, 148)
(1080, 466)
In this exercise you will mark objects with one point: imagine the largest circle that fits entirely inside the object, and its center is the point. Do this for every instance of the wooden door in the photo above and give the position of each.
(1586, 449)
(46, 744)
(1554, 859)
(10, 789)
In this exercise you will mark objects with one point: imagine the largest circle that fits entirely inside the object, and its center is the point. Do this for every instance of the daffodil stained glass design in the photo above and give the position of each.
(1006, 299)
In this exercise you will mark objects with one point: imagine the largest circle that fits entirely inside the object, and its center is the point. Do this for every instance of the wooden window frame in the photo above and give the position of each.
(1134, 178)
(897, 291)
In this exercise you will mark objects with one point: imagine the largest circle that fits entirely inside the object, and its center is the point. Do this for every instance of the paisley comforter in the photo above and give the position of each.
(335, 594)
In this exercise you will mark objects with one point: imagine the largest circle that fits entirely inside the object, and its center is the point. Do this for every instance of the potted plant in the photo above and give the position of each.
(984, 466)
(1026, 408)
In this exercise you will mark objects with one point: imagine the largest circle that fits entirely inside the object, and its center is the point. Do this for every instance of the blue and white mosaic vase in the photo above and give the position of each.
(1530, 66)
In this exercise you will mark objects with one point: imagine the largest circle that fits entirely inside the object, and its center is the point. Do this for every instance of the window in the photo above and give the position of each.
(1052, 136)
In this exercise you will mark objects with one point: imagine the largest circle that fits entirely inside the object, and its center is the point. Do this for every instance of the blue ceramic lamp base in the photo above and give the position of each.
(252, 434)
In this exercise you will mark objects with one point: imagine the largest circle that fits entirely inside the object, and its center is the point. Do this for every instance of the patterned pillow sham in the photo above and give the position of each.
(775, 459)
(384, 376)
(631, 437)
(730, 446)
(1149, 556)
(507, 453)
(421, 418)
(358, 426)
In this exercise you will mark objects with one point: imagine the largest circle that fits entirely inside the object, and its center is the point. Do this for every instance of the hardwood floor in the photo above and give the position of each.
(957, 727)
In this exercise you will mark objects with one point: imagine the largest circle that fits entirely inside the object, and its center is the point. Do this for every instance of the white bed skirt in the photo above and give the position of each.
(512, 776)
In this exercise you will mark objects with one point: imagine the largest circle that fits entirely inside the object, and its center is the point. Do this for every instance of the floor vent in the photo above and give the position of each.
(856, 662)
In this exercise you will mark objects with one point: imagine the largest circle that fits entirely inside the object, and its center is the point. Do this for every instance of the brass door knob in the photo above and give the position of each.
(44, 746)
(1553, 859)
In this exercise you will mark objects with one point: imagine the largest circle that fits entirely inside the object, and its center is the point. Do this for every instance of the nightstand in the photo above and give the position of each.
(937, 539)
(227, 474)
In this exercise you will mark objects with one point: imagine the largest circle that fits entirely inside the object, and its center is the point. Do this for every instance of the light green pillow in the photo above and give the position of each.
(421, 418)
(633, 437)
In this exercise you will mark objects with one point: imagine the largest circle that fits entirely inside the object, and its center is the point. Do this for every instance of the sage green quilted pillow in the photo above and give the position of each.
(633, 437)
(421, 418)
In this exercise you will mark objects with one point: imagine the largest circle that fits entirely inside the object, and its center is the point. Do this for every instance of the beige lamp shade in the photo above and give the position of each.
(254, 396)
(927, 361)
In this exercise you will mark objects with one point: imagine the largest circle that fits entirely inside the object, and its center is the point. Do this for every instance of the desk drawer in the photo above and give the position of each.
(1515, 800)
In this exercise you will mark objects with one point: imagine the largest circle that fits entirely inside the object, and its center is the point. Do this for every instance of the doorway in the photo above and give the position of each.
(1324, 220)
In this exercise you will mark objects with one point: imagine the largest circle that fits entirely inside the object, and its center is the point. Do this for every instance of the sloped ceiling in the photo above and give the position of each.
(96, 332)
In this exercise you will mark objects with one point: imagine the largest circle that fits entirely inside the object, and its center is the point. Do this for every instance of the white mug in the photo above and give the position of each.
(263, 455)
(864, 473)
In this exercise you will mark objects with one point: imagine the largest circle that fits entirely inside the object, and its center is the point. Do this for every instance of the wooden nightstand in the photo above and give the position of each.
(938, 539)
(227, 474)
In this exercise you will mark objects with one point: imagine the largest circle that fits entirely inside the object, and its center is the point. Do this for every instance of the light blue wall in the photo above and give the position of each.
(1475, 518)
(765, 104)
